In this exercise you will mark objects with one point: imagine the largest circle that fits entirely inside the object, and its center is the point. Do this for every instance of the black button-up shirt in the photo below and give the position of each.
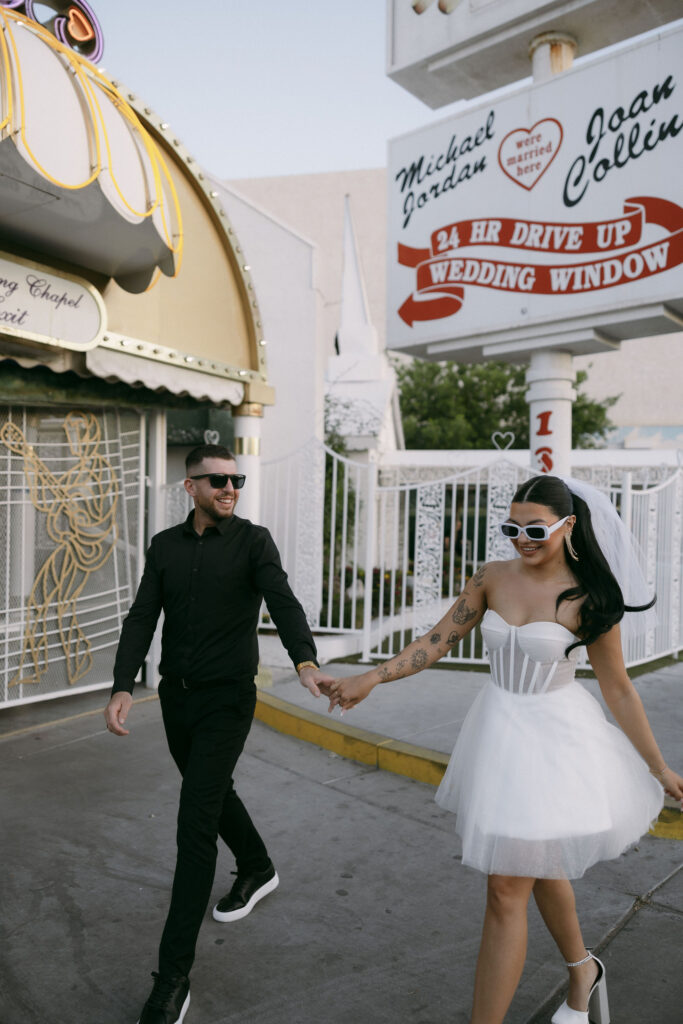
(210, 588)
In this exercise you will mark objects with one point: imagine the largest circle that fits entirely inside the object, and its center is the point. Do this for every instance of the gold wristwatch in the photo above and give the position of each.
(306, 664)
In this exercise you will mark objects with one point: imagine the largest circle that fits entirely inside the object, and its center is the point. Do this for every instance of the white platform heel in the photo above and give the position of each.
(598, 1007)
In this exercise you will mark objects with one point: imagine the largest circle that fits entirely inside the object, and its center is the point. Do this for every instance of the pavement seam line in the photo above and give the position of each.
(638, 903)
(69, 718)
(672, 874)
(663, 908)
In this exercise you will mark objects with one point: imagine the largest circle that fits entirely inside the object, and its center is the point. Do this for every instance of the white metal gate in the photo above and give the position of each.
(70, 537)
(432, 536)
(317, 504)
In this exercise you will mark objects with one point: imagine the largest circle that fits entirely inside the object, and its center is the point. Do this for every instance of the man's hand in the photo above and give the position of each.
(315, 680)
(116, 712)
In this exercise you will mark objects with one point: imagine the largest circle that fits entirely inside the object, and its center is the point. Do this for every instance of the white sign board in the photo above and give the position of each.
(45, 306)
(550, 215)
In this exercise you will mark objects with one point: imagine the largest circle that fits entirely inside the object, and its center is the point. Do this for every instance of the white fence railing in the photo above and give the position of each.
(380, 560)
(655, 516)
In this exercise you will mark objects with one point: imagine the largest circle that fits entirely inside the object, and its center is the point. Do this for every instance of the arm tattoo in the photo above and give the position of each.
(478, 577)
(462, 614)
(418, 659)
(454, 638)
(435, 638)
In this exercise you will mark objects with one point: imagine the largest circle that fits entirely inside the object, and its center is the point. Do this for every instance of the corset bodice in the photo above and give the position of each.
(528, 659)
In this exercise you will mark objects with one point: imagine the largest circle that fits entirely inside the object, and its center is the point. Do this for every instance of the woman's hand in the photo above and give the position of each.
(673, 783)
(349, 692)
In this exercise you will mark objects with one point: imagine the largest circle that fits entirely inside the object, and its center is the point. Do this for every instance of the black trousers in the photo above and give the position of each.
(206, 730)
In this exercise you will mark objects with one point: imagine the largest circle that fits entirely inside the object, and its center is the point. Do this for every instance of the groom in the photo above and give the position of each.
(209, 576)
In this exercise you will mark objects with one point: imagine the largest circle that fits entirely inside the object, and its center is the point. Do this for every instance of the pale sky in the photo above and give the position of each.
(256, 88)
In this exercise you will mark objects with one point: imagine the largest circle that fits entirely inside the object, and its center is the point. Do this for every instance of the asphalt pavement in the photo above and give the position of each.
(375, 921)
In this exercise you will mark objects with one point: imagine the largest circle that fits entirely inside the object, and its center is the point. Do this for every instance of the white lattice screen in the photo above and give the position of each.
(70, 511)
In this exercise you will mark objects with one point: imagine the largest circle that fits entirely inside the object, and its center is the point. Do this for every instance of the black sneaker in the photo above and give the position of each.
(168, 1001)
(247, 890)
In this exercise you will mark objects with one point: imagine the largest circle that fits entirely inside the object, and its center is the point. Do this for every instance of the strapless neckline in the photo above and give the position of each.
(525, 625)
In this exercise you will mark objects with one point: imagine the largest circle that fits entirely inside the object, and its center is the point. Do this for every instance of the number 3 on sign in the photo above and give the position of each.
(544, 458)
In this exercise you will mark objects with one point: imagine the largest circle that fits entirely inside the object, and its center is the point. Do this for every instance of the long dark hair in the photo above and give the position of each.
(603, 602)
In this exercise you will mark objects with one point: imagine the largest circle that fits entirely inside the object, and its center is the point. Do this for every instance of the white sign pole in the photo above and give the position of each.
(550, 375)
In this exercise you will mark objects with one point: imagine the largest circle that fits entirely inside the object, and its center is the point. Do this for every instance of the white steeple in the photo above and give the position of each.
(356, 333)
(360, 390)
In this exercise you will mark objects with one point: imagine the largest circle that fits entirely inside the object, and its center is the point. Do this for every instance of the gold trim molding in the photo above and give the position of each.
(162, 354)
(247, 446)
(249, 409)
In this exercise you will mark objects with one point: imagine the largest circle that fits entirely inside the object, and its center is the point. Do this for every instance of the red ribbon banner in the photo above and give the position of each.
(442, 273)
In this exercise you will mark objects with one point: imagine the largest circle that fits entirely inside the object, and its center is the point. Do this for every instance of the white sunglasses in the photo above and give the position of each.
(536, 531)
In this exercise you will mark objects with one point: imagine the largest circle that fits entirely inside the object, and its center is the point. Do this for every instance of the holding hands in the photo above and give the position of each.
(314, 679)
(420, 654)
(350, 691)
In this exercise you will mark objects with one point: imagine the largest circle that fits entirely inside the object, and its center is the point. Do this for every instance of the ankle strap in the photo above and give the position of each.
(577, 963)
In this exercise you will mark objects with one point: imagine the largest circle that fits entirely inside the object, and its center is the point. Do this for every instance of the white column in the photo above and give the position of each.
(156, 473)
(550, 375)
(156, 519)
(247, 447)
(551, 53)
(370, 553)
(550, 378)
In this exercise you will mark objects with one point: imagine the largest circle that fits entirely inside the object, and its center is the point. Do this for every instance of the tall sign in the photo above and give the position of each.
(550, 216)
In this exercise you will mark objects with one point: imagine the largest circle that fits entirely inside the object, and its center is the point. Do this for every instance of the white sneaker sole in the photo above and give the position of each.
(183, 1011)
(235, 915)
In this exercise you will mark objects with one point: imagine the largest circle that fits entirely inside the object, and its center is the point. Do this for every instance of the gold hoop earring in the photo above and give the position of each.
(570, 547)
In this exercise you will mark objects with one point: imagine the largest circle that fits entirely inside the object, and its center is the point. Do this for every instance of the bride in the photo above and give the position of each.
(541, 784)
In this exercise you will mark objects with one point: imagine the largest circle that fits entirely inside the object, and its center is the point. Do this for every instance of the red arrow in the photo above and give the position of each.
(658, 211)
(409, 257)
(430, 309)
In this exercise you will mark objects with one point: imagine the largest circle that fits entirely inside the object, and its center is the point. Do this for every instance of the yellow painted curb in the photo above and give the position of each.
(669, 824)
(351, 742)
(417, 763)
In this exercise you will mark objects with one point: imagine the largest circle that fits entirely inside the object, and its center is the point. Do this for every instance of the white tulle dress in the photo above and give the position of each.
(541, 783)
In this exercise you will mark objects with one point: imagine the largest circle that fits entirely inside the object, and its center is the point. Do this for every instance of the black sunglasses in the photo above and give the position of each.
(219, 480)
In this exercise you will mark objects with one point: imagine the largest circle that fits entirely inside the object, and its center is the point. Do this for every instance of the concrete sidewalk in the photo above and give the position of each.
(375, 920)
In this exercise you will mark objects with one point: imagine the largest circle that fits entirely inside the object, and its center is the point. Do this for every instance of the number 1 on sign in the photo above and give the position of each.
(544, 423)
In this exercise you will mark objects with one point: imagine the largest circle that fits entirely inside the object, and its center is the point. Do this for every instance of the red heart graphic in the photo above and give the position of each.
(78, 26)
(525, 154)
